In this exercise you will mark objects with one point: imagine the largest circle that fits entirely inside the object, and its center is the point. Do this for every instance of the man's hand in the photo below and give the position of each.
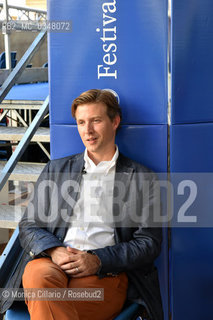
(58, 255)
(75, 262)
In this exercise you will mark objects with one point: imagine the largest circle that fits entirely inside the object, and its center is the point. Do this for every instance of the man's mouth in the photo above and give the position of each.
(91, 139)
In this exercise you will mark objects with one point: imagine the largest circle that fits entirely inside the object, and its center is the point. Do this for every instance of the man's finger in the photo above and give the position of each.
(70, 266)
(75, 272)
(73, 250)
(70, 260)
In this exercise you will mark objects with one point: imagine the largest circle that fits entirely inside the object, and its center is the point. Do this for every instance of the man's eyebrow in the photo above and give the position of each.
(94, 117)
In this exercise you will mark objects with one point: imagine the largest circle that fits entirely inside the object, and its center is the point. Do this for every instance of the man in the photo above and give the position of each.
(113, 246)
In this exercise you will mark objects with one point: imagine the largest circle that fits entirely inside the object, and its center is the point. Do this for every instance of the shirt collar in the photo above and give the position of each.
(104, 166)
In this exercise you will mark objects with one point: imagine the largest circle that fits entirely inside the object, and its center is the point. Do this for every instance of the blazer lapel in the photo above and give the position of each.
(72, 178)
(123, 176)
(76, 168)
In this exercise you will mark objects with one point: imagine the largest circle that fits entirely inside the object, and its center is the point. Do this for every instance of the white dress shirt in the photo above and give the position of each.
(91, 226)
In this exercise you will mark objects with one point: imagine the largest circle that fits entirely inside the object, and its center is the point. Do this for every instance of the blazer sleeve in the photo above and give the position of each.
(34, 235)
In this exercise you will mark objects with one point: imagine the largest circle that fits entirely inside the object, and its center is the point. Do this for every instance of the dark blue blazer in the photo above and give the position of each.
(137, 241)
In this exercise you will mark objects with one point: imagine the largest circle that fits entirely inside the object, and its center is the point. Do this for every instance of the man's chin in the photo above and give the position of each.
(91, 148)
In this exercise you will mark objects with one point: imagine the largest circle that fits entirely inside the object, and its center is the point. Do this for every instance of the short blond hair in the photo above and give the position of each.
(96, 96)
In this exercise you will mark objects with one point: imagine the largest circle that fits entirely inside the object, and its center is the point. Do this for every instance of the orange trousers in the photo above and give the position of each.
(43, 273)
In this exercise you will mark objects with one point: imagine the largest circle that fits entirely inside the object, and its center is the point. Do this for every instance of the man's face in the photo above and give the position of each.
(96, 129)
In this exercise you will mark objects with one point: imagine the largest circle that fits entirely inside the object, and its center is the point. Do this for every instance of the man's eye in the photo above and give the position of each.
(97, 120)
(80, 122)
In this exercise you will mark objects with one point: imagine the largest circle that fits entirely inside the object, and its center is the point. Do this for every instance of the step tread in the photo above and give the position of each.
(16, 133)
(21, 104)
(25, 171)
(10, 215)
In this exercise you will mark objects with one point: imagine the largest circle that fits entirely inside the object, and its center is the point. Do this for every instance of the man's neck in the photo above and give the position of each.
(97, 158)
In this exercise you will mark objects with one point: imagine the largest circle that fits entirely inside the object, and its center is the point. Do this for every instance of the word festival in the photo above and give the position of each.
(108, 37)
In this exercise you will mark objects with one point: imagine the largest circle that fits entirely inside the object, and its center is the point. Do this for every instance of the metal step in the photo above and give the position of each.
(29, 75)
(25, 171)
(10, 216)
(16, 133)
(21, 104)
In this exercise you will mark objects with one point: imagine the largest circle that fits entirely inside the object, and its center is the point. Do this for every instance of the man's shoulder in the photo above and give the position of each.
(73, 157)
(137, 166)
(61, 162)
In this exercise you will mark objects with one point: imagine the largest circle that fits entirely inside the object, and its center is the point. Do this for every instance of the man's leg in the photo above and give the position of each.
(43, 273)
(115, 291)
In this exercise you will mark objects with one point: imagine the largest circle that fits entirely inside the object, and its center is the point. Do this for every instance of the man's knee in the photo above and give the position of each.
(43, 273)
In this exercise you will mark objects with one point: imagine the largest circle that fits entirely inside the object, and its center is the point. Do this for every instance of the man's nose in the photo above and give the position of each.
(88, 127)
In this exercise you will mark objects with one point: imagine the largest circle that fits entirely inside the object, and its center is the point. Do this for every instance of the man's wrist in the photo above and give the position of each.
(97, 259)
(48, 252)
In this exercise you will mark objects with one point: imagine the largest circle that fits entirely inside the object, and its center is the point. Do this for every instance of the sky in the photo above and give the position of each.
(17, 2)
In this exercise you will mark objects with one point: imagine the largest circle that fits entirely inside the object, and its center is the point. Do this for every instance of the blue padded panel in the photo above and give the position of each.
(192, 63)
(32, 91)
(141, 52)
(145, 144)
(191, 148)
(192, 248)
(191, 273)
(64, 141)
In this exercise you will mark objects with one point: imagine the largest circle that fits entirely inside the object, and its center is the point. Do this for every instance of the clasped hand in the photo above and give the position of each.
(74, 262)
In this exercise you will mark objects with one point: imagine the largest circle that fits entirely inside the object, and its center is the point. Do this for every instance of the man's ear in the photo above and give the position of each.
(116, 121)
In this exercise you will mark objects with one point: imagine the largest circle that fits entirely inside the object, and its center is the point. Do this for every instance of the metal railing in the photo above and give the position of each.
(23, 13)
